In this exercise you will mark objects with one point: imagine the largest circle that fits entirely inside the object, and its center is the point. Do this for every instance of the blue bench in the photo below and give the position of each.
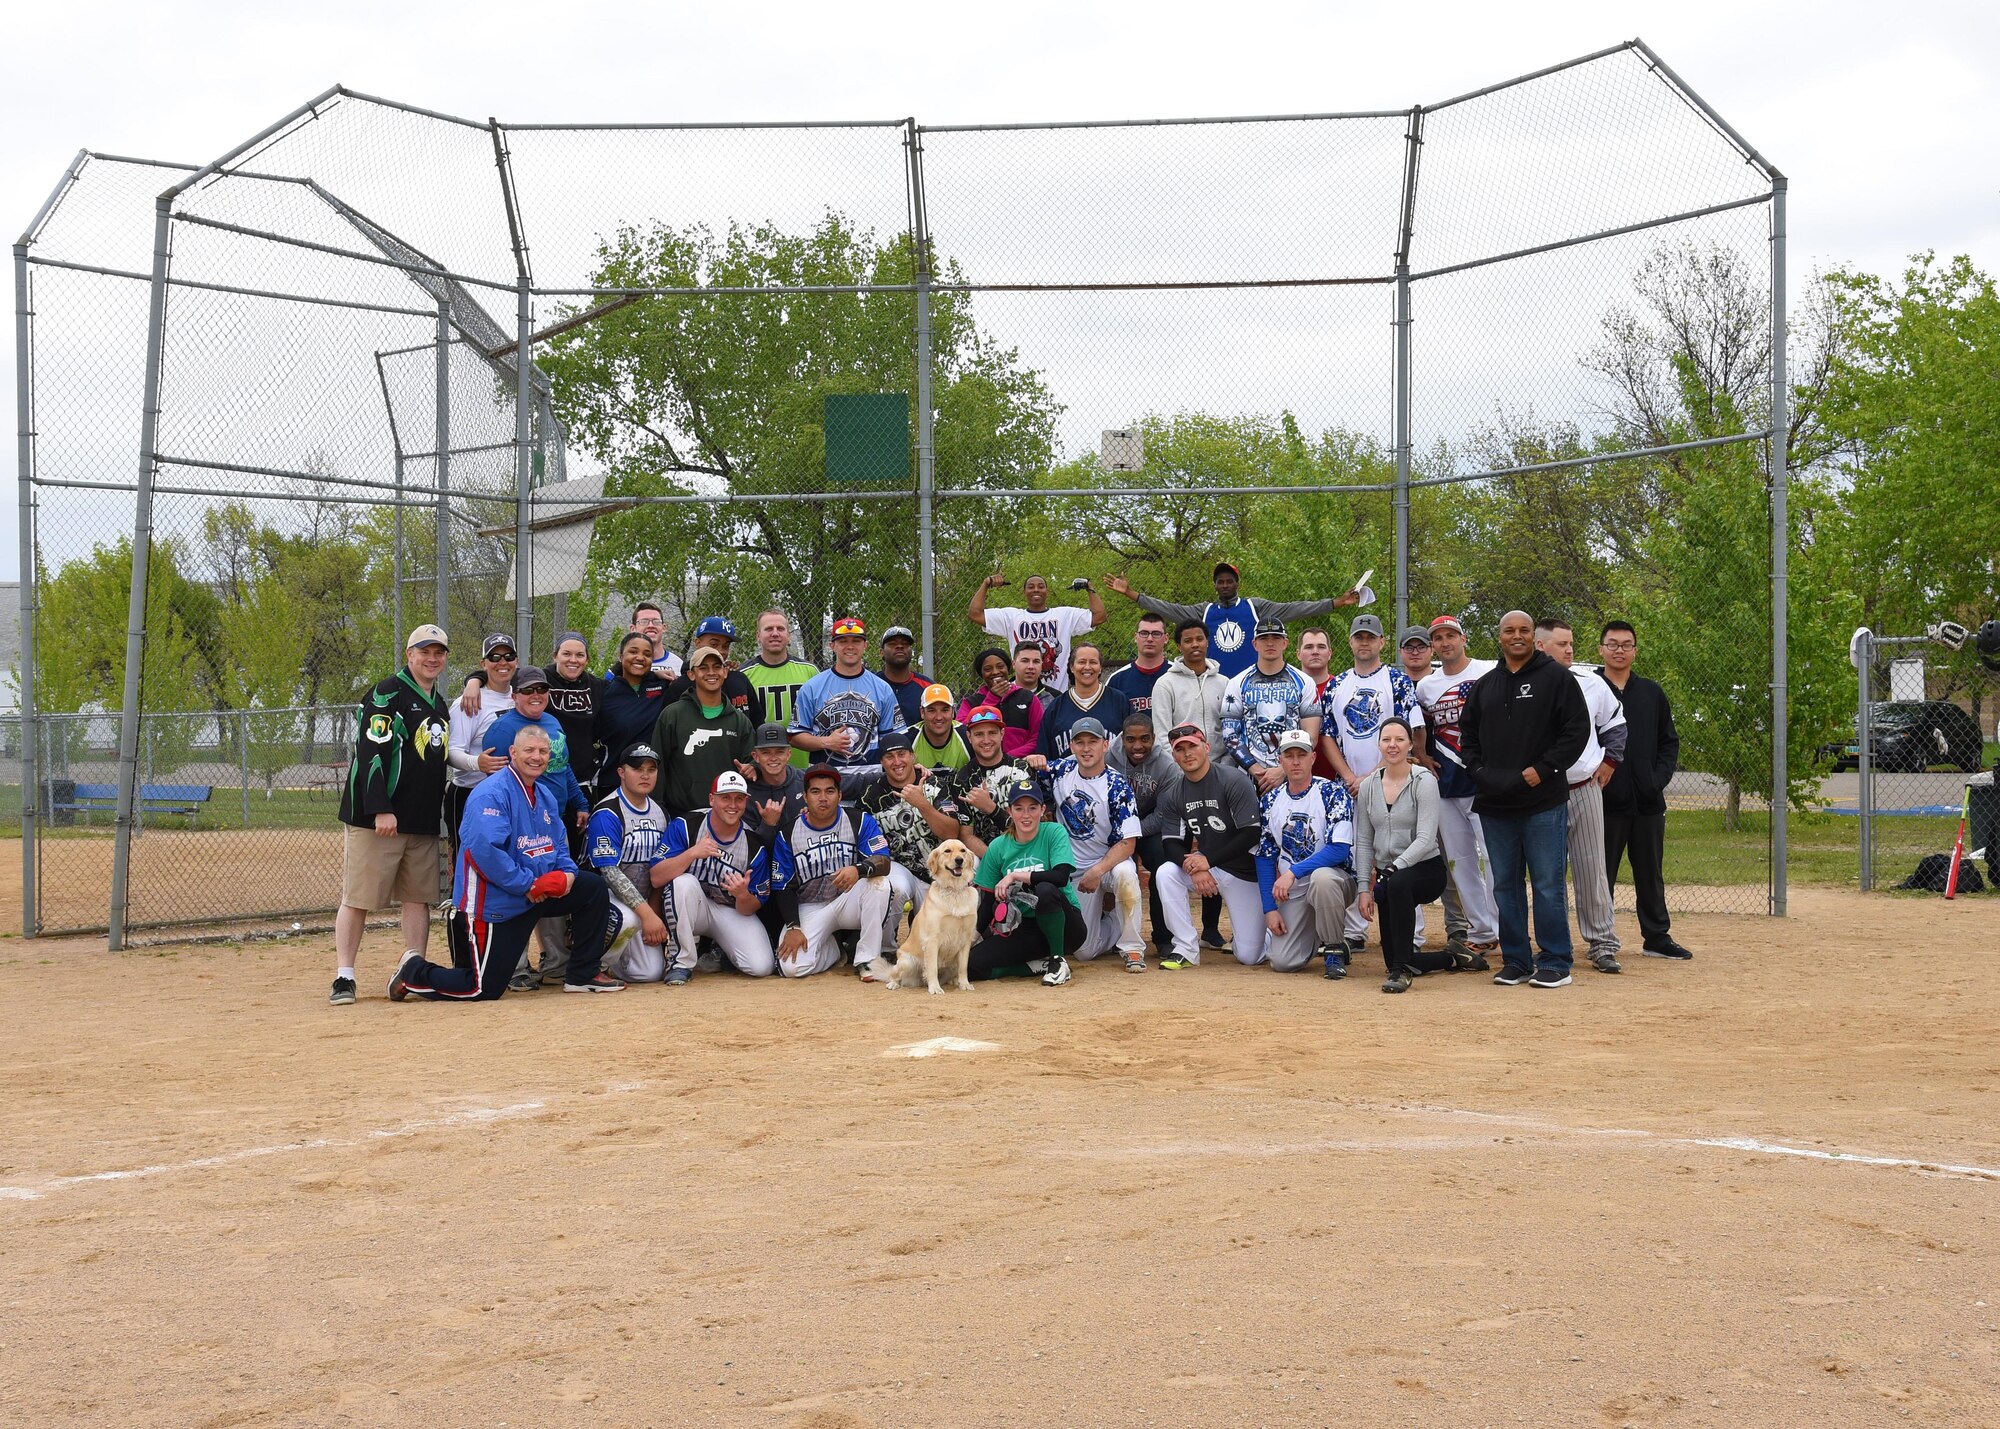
(185, 800)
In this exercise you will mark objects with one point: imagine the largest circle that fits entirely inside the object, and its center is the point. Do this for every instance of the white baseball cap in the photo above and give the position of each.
(729, 782)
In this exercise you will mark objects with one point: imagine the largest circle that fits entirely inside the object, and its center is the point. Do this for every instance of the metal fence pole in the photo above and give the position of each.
(1781, 540)
(1864, 764)
(1413, 143)
(142, 547)
(243, 758)
(926, 435)
(524, 365)
(24, 468)
(441, 612)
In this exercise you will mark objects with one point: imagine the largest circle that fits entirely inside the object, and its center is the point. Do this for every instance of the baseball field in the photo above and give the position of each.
(1759, 1188)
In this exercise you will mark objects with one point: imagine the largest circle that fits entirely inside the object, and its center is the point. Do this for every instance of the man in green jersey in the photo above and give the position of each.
(776, 676)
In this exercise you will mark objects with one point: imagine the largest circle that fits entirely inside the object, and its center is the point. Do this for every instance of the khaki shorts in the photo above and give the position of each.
(383, 872)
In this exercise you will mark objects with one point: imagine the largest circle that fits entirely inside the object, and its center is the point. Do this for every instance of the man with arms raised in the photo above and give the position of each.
(1212, 830)
(914, 813)
(717, 878)
(1050, 628)
(776, 676)
(1305, 869)
(843, 713)
(1267, 700)
(1096, 807)
(1471, 920)
(1231, 617)
(1635, 801)
(1602, 753)
(1523, 725)
(830, 870)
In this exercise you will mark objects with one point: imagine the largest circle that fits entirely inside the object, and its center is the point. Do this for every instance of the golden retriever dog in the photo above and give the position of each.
(942, 930)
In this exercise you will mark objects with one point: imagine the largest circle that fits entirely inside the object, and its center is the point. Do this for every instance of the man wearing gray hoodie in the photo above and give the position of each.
(1190, 692)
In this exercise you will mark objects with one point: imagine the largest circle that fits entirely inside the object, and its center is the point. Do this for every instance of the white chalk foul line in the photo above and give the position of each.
(1775, 1148)
(474, 1116)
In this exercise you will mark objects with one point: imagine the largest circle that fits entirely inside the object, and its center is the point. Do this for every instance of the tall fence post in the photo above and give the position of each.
(441, 611)
(243, 759)
(1413, 143)
(1781, 541)
(24, 410)
(142, 549)
(926, 443)
(1864, 759)
(524, 468)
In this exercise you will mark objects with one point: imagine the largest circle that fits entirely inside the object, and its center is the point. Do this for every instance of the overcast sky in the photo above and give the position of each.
(1884, 116)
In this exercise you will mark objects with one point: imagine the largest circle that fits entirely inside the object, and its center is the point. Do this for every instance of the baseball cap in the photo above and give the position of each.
(706, 653)
(822, 771)
(728, 782)
(1221, 566)
(495, 642)
(1415, 635)
(1186, 731)
(985, 714)
(1365, 625)
(530, 677)
(1294, 739)
(1268, 627)
(898, 632)
(1087, 726)
(771, 736)
(848, 625)
(716, 625)
(1023, 789)
(427, 635)
(936, 695)
(898, 739)
(1447, 622)
(639, 753)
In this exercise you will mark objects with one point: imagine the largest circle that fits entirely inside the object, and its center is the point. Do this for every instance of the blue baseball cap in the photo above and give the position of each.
(716, 625)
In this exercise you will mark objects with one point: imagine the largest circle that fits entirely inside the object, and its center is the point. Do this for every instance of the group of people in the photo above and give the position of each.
(676, 814)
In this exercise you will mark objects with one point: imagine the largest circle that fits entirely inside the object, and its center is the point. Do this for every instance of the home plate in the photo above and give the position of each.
(940, 1044)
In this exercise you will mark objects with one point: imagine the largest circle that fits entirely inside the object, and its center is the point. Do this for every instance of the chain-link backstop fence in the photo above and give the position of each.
(1520, 348)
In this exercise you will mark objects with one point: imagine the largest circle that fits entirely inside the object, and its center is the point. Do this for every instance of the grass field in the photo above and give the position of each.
(1760, 1188)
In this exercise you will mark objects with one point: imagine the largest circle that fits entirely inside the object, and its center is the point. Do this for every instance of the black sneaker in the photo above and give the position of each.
(1212, 937)
(1667, 949)
(602, 982)
(1467, 961)
(524, 982)
(1512, 977)
(678, 977)
(399, 985)
(1058, 972)
(1336, 967)
(1606, 962)
(343, 992)
(1356, 947)
(1397, 981)
(1548, 977)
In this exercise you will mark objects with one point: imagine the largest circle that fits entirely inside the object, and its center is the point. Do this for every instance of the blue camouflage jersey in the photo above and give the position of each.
(1096, 813)
(1257, 708)
(806, 858)
(738, 855)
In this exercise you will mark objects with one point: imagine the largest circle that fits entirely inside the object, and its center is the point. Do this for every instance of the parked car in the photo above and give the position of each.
(1912, 735)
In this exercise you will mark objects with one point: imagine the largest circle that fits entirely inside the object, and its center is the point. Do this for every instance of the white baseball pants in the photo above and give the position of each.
(864, 908)
(1465, 857)
(1239, 895)
(740, 936)
(1111, 913)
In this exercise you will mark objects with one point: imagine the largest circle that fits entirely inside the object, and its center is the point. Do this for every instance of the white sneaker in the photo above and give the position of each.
(1058, 972)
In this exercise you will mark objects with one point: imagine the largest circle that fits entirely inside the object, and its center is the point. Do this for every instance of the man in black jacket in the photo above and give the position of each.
(1524, 724)
(1635, 801)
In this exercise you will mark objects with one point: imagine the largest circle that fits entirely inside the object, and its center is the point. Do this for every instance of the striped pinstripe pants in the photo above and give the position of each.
(1588, 876)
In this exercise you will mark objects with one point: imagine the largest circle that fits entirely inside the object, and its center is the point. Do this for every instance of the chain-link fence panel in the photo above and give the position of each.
(519, 378)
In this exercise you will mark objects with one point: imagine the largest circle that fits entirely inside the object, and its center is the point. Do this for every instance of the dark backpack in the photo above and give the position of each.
(1935, 868)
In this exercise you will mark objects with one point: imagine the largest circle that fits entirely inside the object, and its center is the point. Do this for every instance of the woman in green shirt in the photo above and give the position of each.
(1028, 912)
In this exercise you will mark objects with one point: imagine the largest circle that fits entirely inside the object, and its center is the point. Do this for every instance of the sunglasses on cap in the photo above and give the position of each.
(848, 627)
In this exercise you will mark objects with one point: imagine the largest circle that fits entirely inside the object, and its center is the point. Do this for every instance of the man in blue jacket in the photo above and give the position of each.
(514, 869)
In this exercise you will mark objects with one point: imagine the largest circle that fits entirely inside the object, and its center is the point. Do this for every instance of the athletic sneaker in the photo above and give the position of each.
(1467, 961)
(1512, 977)
(603, 982)
(873, 972)
(1548, 977)
(1336, 966)
(1058, 972)
(678, 977)
(1606, 962)
(1135, 962)
(1668, 949)
(1174, 962)
(1397, 981)
(1214, 939)
(399, 985)
(524, 982)
(1355, 947)
(343, 992)
(708, 960)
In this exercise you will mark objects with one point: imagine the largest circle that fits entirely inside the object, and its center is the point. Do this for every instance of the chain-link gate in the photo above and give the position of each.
(853, 368)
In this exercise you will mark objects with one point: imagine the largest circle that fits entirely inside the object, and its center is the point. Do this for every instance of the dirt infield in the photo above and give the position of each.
(1213, 1197)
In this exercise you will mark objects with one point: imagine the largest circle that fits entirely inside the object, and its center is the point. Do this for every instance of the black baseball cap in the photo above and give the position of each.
(898, 739)
(1268, 627)
(496, 642)
(639, 753)
(771, 736)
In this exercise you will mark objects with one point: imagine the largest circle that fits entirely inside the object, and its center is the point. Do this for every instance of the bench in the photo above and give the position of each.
(183, 799)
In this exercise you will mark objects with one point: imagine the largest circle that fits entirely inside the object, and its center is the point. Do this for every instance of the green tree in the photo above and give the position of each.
(83, 614)
(724, 397)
